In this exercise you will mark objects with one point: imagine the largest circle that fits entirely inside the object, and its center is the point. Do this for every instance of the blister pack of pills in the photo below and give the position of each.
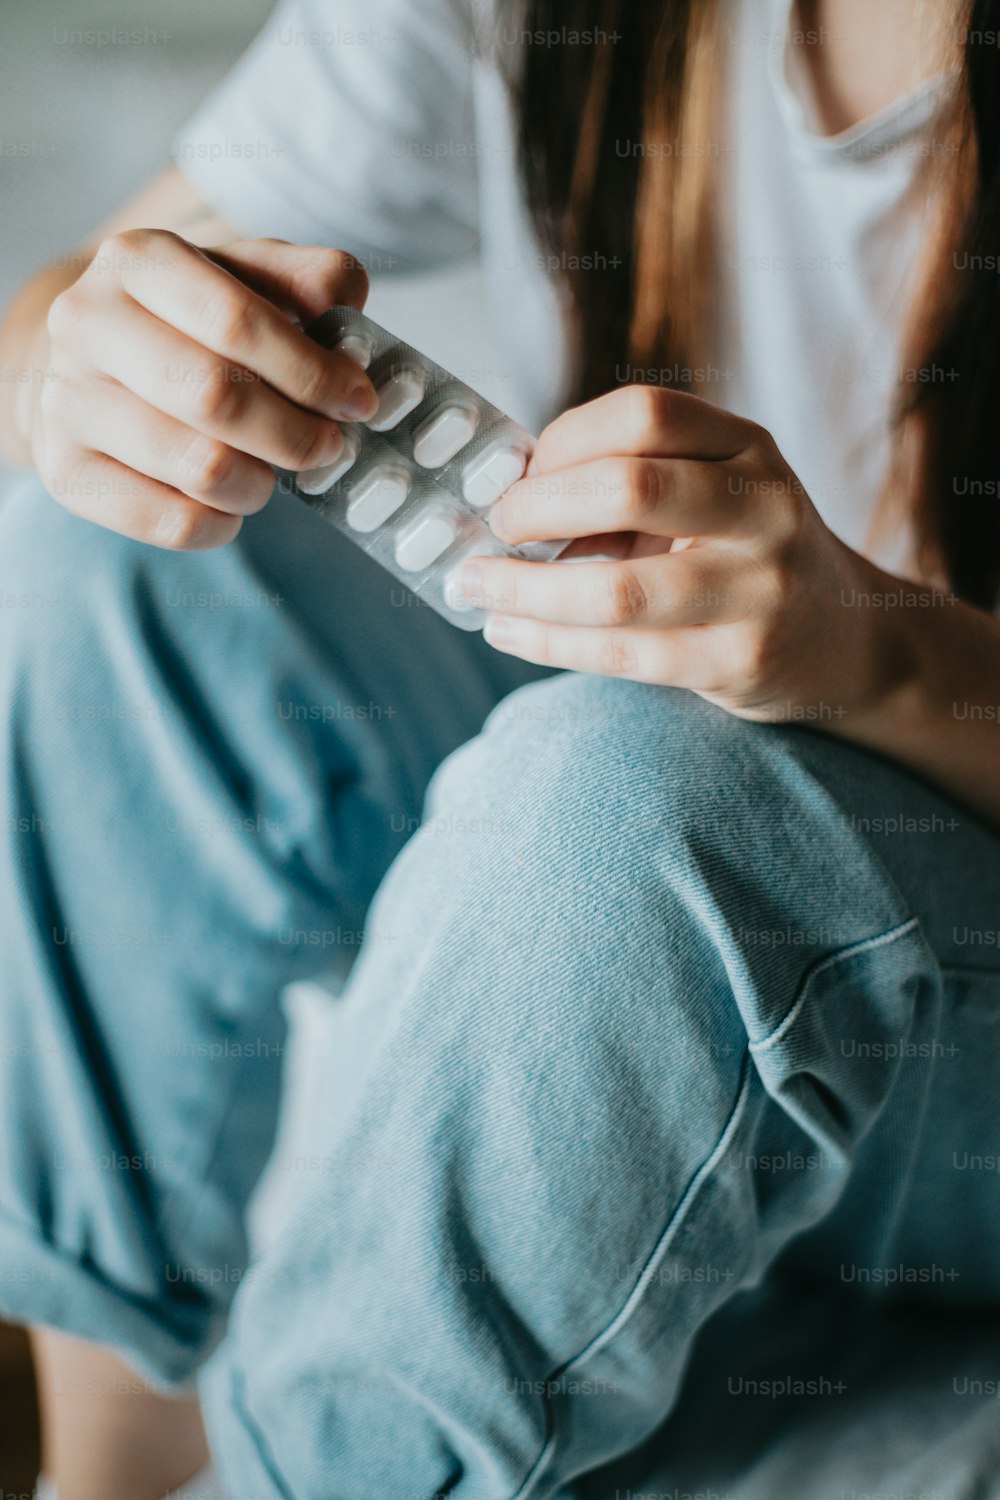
(415, 485)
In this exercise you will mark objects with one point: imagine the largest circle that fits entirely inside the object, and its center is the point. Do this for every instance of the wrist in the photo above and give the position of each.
(897, 622)
(937, 700)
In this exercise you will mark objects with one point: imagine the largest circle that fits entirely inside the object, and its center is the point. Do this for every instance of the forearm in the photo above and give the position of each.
(940, 714)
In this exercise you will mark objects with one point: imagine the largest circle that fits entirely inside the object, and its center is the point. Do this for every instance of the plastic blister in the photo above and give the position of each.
(415, 485)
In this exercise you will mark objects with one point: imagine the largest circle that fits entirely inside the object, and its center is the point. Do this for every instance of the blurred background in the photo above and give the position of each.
(82, 127)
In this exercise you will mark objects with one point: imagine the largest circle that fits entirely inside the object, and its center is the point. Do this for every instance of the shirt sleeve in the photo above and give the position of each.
(347, 123)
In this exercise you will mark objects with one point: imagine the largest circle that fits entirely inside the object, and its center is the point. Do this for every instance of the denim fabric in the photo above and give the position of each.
(208, 762)
(676, 1139)
(669, 1158)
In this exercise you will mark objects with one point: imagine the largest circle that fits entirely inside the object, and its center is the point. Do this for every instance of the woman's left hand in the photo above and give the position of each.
(724, 579)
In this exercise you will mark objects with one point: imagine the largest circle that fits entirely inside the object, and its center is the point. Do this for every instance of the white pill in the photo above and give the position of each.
(444, 434)
(356, 347)
(375, 498)
(491, 473)
(452, 587)
(318, 481)
(397, 397)
(422, 542)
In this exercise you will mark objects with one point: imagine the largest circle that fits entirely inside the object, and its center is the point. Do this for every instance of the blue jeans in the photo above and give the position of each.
(669, 1161)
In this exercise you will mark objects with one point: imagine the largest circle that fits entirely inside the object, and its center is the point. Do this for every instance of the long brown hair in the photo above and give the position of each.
(618, 143)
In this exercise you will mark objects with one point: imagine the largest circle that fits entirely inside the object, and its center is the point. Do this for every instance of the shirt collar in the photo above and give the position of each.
(878, 136)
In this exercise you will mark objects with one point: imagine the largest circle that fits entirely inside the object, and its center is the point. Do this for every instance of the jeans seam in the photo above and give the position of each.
(868, 945)
(260, 1443)
(635, 1297)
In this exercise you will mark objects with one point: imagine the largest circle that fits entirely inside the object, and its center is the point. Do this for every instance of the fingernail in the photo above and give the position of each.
(359, 403)
(472, 583)
(336, 446)
(498, 631)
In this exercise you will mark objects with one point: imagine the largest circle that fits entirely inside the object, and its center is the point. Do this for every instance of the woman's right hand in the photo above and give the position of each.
(177, 377)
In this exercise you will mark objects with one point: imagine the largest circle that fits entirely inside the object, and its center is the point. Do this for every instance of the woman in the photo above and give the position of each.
(672, 1038)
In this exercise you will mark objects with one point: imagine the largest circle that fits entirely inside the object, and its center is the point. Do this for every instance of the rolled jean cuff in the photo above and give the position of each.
(41, 1284)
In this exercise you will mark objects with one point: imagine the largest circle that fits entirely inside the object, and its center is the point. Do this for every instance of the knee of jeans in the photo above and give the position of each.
(610, 764)
(601, 802)
(581, 802)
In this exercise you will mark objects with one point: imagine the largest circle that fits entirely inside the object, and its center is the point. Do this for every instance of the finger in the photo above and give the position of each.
(169, 372)
(670, 658)
(124, 428)
(303, 280)
(644, 421)
(661, 497)
(100, 489)
(663, 591)
(188, 291)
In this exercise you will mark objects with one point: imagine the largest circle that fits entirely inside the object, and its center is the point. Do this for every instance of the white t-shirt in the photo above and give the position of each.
(368, 125)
